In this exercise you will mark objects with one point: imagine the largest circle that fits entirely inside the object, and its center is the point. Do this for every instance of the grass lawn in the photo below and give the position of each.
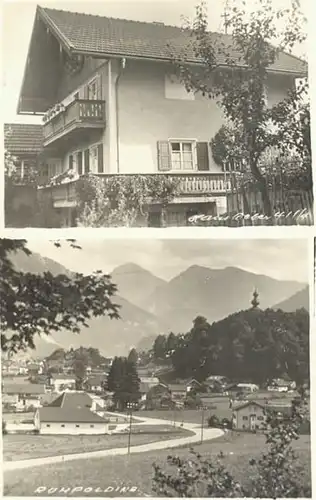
(24, 446)
(136, 470)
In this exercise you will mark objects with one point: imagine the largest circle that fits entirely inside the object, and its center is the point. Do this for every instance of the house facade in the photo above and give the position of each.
(248, 416)
(60, 383)
(113, 106)
(22, 396)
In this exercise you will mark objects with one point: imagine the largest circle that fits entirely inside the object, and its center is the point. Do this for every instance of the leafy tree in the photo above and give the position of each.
(123, 381)
(239, 83)
(79, 369)
(133, 356)
(253, 345)
(160, 347)
(276, 473)
(33, 304)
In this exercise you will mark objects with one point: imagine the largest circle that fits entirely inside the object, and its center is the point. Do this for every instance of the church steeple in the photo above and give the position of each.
(255, 302)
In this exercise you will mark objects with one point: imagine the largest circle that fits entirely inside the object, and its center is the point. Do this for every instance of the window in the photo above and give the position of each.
(245, 417)
(174, 89)
(182, 155)
(62, 425)
(92, 90)
(76, 96)
(94, 159)
(91, 426)
(260, 418)
(47, 425)
(77, 425)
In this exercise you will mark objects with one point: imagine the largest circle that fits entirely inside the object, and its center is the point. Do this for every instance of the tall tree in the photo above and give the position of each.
(133, 356)
(33, 304)
(123, 381)
(239, 84)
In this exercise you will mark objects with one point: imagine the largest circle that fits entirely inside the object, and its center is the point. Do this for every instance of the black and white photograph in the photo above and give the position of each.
(156, 114)
(155, 367)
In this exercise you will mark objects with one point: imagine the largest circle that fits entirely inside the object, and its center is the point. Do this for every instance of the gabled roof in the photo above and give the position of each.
(72, 401)
(30, 389)
(23, 138)
(244, 404)
(55, 414)
(94, 34)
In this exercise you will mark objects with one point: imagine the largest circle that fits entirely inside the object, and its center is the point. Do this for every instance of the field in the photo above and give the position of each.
(25, 446)
(136, 470)
(193, 416)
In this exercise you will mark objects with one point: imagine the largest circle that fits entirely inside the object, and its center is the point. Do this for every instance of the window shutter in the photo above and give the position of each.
(87, 161)
(71, 162)
(80, 163)
(202, 156)
(164, 160)
(100, 158)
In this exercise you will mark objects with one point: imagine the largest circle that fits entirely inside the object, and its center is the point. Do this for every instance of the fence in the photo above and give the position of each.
(289, 188)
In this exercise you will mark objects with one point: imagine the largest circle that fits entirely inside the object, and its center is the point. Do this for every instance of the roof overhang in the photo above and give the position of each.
(33, 99)
(37, 90)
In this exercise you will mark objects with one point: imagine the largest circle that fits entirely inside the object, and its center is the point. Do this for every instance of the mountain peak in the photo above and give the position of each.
(130, 268)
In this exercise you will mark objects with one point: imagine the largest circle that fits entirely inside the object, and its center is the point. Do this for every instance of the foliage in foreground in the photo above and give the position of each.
(239, 84)
(33, 304)
(275, 474)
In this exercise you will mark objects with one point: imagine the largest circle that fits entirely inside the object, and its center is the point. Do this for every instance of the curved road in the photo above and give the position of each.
(157, 445)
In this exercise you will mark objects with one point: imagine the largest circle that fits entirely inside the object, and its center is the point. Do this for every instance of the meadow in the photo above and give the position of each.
(136, 470)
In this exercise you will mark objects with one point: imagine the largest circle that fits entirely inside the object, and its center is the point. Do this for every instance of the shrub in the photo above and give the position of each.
(277, 472)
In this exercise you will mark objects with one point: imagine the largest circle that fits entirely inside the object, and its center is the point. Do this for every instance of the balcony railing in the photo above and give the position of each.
(197, 184)
(79, 113)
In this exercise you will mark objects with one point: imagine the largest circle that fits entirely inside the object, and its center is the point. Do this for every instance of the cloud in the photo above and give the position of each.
(278, 258)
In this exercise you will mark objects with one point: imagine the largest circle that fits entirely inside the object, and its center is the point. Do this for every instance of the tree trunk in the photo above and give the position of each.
(263, 189)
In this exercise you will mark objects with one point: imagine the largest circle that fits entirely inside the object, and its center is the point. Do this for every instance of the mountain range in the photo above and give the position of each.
(151, 306)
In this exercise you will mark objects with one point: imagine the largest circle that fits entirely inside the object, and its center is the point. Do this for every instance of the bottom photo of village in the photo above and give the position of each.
(155, 368)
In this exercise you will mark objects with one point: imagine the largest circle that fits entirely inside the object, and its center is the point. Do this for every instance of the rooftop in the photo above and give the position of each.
(23, 138)
(72, 401)
(57, 414)
(30, 389)
(94, 34)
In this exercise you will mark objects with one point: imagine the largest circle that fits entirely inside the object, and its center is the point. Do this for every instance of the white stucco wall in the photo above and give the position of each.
(71, 428)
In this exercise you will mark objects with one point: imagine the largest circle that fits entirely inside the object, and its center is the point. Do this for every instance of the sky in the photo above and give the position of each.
(284, 259)
(18, 20)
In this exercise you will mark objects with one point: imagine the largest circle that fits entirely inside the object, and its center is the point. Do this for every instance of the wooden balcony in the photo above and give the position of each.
(78, 116)
(203, 185)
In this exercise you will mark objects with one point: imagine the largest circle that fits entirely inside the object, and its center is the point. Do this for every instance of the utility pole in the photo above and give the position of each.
(202, 426)
(130, 407)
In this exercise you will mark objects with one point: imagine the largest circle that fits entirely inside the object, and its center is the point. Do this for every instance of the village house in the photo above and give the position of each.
(194, 385)
(22, 396)
(53, 420)
(178, 391)
(60, 383)
(248, 416)
(77, 413)
(95, 383)
(24, 141)
(281, 385)
(252, 415)
(150, 381)
(113, 105)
